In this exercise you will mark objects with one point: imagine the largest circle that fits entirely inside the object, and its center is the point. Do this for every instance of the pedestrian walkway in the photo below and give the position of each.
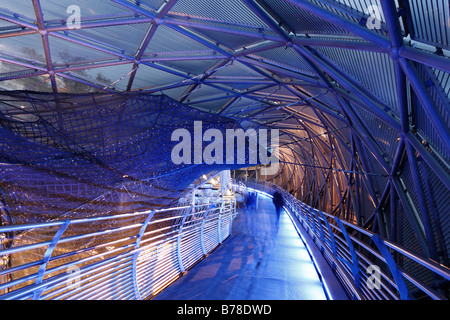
(262, 260)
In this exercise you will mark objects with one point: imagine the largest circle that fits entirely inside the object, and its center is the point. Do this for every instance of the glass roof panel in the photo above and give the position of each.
(24, 8)
(147, 77)
(210, 105)
(194, 67)
(152, 4)
(34, 83)
(57, 9)
(6, 68)
(105, 76)
(10, 71)
(27, 47)
(237, 69)
(125, 38)
(243, 105)
(288, 57)
(431, 20)
(204, 92)
(5, 26)
(65, 53)
(302, 21)
(68, 85)
(167, 40)
(229, 40)
(174, 93)
(232, 11)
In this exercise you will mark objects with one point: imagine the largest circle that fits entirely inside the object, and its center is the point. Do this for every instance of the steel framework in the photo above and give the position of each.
(353, 251)
(364, 112)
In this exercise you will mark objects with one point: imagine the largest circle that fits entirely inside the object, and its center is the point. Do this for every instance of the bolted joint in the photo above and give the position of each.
(394, 53)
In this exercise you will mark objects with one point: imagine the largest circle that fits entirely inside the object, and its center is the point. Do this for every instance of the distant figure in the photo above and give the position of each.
(278, 202)
(251, 200)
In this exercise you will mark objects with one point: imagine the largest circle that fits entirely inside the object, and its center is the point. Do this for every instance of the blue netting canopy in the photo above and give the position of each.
(97, 154)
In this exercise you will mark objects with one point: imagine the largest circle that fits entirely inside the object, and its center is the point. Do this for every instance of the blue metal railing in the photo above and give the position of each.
(136, 255)
(367, 265)
(125, 256)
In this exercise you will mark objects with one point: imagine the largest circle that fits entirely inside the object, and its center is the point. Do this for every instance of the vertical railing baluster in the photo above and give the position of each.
(313, 223)
(136, 253)
(232, 211)
(180, 235)
(399, 281)
(321, 233)
(354, 265)
(330, 233)
(219, 223)
(47, 255)
(202, 228)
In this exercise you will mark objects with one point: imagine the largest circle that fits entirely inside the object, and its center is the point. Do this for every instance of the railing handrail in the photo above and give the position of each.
(59, 222)
(180, 237)
(305, 215)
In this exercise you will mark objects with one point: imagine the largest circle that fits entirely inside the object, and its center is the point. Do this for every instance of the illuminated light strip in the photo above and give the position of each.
(316, 266)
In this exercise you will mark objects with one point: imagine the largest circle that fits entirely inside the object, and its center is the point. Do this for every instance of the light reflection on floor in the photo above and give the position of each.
(261, 260)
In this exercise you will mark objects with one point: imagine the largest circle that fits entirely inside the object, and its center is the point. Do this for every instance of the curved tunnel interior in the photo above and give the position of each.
(358, 91)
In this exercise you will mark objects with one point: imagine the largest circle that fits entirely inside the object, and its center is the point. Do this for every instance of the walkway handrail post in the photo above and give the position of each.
(313, 223)
(219, 223)
(202, 229)
(330, 233)
(136, 254)
(399, 281)
(232, 209)
(321, 233)
(306, 218)
(46, 259)
(354, 263)
(180, 235)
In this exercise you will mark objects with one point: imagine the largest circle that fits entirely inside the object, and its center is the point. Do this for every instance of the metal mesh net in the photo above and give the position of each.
(83, 155)
(70, 156)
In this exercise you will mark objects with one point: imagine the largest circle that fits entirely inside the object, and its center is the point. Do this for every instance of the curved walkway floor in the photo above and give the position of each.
(261, 260)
